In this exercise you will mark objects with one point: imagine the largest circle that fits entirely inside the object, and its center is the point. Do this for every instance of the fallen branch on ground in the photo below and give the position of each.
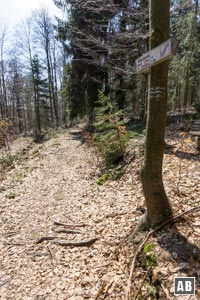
(69, 231)
(76, 244)
(46, 238)
(115, 214)
(10, 234)
(14, 244)
(138, 250)
(69, 225)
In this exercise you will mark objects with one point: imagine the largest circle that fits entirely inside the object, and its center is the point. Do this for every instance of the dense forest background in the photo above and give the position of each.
(51, 70)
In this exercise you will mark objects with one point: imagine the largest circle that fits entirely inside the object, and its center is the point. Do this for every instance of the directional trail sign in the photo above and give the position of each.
(156, 55)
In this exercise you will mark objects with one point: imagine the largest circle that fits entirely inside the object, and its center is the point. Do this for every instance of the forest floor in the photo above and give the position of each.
(57, 182)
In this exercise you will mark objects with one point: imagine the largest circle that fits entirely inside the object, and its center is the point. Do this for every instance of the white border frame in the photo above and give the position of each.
(184, 294)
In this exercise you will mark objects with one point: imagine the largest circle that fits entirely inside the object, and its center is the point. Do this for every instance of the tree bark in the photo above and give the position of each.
(157, 203)
(4, 103)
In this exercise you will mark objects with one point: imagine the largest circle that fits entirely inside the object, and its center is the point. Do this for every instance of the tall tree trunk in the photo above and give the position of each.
(50, 82)
(196, 9)
(3, 86)
(37, 112)
(55, 85)
(157, 203)
(2, 70)
(2, 113)
(92, 96)
(186, 84)
(53, 89)
(19, 113)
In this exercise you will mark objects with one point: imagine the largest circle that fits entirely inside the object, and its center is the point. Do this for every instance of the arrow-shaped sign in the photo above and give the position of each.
(156, 55)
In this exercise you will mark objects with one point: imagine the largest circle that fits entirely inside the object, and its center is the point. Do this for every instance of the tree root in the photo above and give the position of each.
(46, 238)
(138, 250)
(69, 225)
(142, 226)
(69, 231)
(76, 244)
(67, 243)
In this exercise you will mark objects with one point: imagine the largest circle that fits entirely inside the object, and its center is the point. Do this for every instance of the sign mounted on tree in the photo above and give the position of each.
(156, 55)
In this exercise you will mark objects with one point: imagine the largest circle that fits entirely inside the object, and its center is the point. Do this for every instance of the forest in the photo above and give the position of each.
(52, 69)
(100, 161)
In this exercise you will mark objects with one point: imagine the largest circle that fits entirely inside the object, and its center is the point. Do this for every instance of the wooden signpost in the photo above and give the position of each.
(156, 55)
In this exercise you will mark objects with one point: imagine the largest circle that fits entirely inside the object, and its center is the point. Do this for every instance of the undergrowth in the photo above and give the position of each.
(197, 107)
(7, 161)
(110, 138)
(53, 133)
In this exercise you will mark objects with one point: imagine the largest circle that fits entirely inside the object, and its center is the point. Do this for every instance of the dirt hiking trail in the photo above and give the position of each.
(56, 182)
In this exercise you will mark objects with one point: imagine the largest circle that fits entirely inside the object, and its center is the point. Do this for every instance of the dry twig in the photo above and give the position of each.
(145, 276)
(8, 234)
(46, 238)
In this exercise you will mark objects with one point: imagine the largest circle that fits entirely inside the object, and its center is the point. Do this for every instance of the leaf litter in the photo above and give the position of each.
(59, 187)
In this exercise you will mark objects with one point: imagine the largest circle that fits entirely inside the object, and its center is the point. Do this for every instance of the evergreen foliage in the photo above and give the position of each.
(52, 75)
(184, 68)
(111, 137)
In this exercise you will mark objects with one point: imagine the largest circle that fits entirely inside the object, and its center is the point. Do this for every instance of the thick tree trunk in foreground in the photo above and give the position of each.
(157, 203)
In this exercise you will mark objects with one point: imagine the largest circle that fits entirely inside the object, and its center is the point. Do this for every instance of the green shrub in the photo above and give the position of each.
(111, 137)
(151, 259)
(197, 107)
(116, 173)
(8, 160)
(101, 180)
(152, 291)
(149, 247)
